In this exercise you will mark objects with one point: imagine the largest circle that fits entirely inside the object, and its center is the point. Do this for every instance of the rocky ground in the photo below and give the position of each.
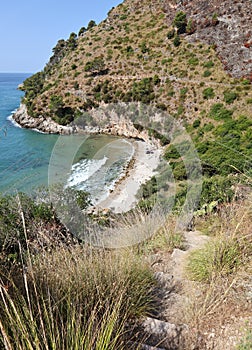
(172, 329)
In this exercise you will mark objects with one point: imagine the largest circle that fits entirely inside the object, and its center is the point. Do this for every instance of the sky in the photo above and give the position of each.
(30, 29)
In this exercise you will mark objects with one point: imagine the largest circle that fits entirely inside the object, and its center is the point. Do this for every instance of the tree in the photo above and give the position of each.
(82, 31)
(60, 46)
(91, 24)
(72, 41)
(180, 22)
(56, 102)
(95, 66)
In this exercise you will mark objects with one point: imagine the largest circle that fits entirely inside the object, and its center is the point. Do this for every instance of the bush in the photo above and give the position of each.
(176, 41)
(218, 112)
(193, 61)
(171, 153)
(208, 64)
(218, 258)
(208, 93)
(91, 24)
(206, 73)
(246, 342)
(180, 22)
(183, 92)
(230, 96)
(171, 34)
(196, 123)
(217, 189)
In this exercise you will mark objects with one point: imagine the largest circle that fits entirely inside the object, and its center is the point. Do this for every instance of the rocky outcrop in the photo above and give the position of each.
(42, 124)
(123, 129)
(164, 334)
(227, 26)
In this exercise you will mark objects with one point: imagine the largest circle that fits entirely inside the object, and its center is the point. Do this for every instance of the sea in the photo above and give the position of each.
(30, 160)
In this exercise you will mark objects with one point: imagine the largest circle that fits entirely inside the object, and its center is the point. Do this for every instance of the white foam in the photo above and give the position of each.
(10, 118)
(39, 131)
(83, 170)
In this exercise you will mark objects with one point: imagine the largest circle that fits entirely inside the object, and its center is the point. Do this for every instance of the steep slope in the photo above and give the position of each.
(128, 57)
(158, 53)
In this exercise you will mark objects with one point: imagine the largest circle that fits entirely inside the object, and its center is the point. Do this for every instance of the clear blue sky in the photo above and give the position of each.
(30, 29)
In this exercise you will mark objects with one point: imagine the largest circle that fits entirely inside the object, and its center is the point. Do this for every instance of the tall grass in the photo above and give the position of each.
(229, 249)
(75, 299)
(223, 266)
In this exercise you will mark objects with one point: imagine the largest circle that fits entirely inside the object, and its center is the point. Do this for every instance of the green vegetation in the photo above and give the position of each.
(246, 343)
(226, 252)
(91, 24)
(230, 96)
(85, 301)
(96, 66)
(176, 41)
(208, 93)
(180, 22)
(85, 298)
(71, 296)
(219, 112)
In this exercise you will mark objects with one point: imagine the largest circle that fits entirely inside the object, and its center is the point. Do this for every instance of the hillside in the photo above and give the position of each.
(109, 62)
(190, 59)
(177, 73)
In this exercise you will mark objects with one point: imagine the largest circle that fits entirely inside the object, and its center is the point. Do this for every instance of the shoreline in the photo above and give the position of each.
(140, 169)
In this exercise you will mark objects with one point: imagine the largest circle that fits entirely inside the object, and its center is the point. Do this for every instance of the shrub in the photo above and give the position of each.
(171, 153)
(190, 27)
(196, 123)
(246, 342)
(218, 112)
(207, 73)
(208, 127)
(176, 41)
(171, 34)
(144, 48)
(220, 257)
(193, 61)
(180, 22)
(95, 66)
(183, 92)
(217, 188)
(230, 96)
(179, 171)
(208, 93)
(91, 24)
(208, 64)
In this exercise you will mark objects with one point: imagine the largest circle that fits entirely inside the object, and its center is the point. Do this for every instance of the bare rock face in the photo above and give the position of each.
(227, 25)
(42, 124)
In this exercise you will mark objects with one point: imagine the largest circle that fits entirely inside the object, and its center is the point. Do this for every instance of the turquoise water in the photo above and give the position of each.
(88, 163)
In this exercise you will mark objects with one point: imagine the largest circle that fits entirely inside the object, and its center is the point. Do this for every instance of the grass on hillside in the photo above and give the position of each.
(56, 293)
(75, 298)
(221, 271)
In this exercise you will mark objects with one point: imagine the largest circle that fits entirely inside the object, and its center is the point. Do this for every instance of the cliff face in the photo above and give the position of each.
(135, 55)
(228, 26)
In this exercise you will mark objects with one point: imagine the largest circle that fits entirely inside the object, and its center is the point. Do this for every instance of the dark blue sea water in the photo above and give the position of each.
(91, 163)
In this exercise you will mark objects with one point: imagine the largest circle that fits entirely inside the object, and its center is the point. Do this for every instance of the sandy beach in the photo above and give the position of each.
(145, 161)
